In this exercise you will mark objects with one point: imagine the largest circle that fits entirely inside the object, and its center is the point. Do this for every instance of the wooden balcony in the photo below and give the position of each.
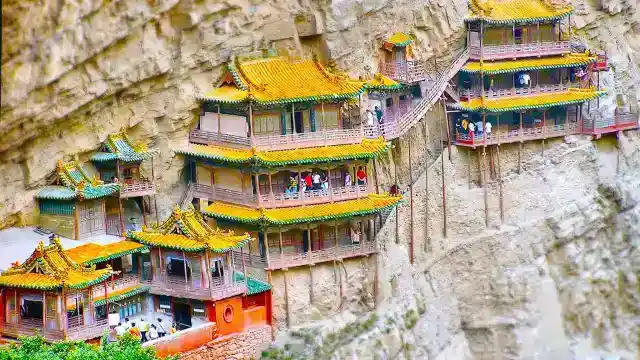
(178, 286)
(404, 71)
(134, 188)
(524, 134)
(88, 331)
(284, 260)
(512, 92)
(118, 284)
(280, 142)
(211, 193)
(512, 51)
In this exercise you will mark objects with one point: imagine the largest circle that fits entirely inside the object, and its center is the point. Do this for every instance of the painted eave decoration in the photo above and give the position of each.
(502, 12)
(122, 294)
(186, 230)
(367, 149)
(119, 147)
(572, 96)
(50, 268)
(544, 63)
(278, 80)
(254, 286)
(91, 253)
(399, 39)
(368, 205)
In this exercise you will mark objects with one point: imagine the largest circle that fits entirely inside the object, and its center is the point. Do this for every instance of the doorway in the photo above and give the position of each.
(182, 316)
(297, 123)
(517, 33)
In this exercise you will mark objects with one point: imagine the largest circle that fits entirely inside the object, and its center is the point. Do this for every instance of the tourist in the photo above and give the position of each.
(292, 188)
(361, 176)
(161, 331)
(347, 179)
(487, 129)
(112, 335)
(144, 328)
(479, 128)
(153, 332)
(471, 126)
(127, 324)
(120, 330)
(369, 117)
(308, 182)
(134, 331)
(317, 184)
(379, 115)
(173, 329)
(325, 182)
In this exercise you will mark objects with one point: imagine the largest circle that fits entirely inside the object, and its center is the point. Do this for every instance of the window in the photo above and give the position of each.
(164, 304)
(131, 306)
(54, 207)
(197, 308)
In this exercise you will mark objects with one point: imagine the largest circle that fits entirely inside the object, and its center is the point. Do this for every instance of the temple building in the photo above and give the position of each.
(181, 271)
(522, 82)
(280, 163)
(75, 205)
(116, 199)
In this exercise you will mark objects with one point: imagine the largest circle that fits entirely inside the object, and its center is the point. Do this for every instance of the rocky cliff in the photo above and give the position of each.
(558, 279)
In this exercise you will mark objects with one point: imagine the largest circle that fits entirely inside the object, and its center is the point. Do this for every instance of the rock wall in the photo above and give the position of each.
(241, 346)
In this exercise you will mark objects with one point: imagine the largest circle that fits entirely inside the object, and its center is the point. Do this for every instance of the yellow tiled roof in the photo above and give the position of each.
(277, 80)
(94, 253)
(367, 149)
(508, 11)
(400, 39)
(551, 62)
(49, 268)
(370, 204)
(186, 230)
(573, 96)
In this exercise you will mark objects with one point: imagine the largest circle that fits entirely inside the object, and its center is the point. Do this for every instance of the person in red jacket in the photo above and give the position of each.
(361, 176)
(308, 181)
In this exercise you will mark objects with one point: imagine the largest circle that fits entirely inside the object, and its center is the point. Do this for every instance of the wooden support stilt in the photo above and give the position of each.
(155, 201)
(469, 168)
(376, 279)
(144, 211)
(375, 173)
(519, 157)
(341, 290)
(484, 173)
(286, 299)
(618, 152)
(480, 177)
(444, 195)
(427, 242)
(311, 284)
(411, 251)
(446, 124)
(395, 180)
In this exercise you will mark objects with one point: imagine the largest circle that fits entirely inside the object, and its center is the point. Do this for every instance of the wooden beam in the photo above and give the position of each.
(427, 243)
(484, 173)
(411, 251)
(286, 299)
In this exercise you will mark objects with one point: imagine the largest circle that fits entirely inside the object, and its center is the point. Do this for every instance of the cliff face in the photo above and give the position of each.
(557, 280)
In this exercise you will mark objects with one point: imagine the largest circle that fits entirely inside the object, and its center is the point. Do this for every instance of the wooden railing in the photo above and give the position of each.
(29, 327)
(287, 260)
(171, 285)
(518, 135)
(510, 92)
(404, 71)
(124, 282)
(596, 124)
(88, 331)
(202, 191)
(137, 188)
(506, 51)
(280, 142)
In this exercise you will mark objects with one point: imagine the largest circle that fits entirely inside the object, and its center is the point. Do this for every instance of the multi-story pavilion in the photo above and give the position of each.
(120, 160)
(522, 82)
(75, 206)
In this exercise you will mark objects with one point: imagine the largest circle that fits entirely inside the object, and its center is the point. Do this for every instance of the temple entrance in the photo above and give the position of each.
(182, 316)
(297, 121)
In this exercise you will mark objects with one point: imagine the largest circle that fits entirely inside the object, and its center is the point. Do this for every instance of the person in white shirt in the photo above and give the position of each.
(120, 331)
(479, 127)
(127, 324)
(487, 128)
(153, 333)
(369, 117)
(347, 180)
(317, 184)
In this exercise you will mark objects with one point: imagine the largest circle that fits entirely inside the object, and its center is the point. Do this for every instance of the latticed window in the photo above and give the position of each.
(53, 207)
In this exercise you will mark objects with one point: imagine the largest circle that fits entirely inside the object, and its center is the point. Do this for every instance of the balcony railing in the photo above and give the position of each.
(511, 92)
(507, 51)
(172, 285)
(280, 261)
(29, 327)
(135, 188)
(404, 71)
(118, 284)
(88, 331)
(208, 192)
(280, 142)
(518, 135)
(596, 124)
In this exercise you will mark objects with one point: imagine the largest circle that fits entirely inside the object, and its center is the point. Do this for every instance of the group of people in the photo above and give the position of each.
(373, 115)
(319, 181)
(143, 330)
(473, 129)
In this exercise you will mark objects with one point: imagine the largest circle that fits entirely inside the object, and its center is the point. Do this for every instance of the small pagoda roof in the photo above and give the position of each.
(515, 11)
(517, 103)
(254, 286)
(187, 230)
(119, 147)
(399, 39)
(380, 82)
(367, 149)
(50, 268)
(509, 66)
(92, 253)
(279, 80)
(76, 185)
(367, 205)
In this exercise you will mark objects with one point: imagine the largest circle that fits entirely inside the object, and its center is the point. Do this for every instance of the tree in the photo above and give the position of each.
(35, 348)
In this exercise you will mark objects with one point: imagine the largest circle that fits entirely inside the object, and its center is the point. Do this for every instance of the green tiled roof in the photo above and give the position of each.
(123, 294)
(119, 147)
(56, 193)
(76, 185)
(254, 286)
